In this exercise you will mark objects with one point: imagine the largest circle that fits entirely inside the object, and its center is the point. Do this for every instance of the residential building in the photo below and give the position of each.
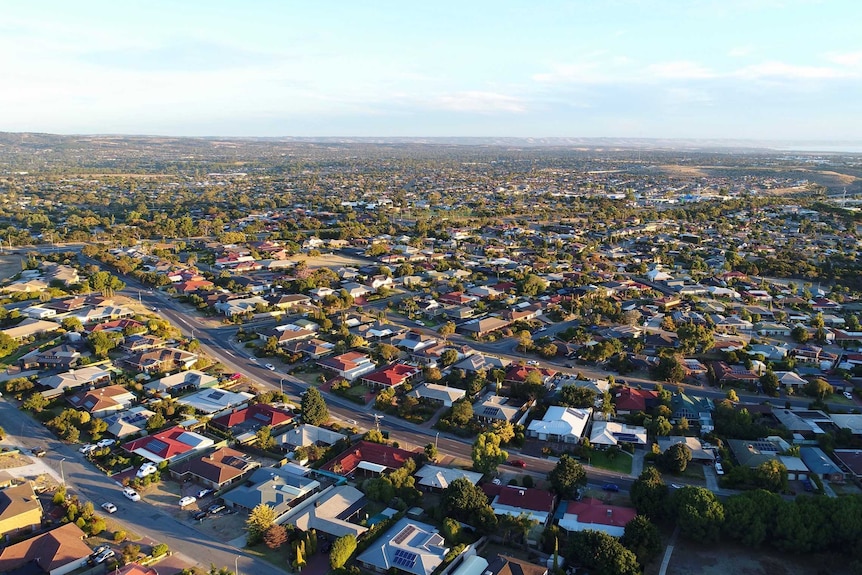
(537, 504)
(608, 433)
(222, 467)
(20, 510)
(408, 546)
(278, 487)
(74, 378)
(62, 357)
(698, 453)
(349, 365)
(369, 458)
(56, 552)
(631, 400)
(171, 444)
(442, 394)
(214, 399)
(31, 328)
(819, 463)
(562, 424)
(335, 512)
(161, 360)
(437, 478)
(305, 434)
(596, 515)
(392, 375)
(503, 565)
(492, 408)
(125, 423)
(246, 421)
(102, 401)
(182, 380)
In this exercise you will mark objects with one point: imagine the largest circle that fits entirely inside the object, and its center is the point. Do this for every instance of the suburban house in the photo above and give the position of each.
(513, 500)
(482, 327)
(214, 399)
(60, 357)
(133, 420)
(217, 470)
(391, 376)
(305, 434)
(519, 373)
(142, 342)
(608, 433)
(631, 400)
(442, 394)
(695, 409)
(698, 453)
(335, 512)
(191, 379)
(476, 362)
(30, 328)
(733, 374)
(102, 401)
(503, 565)
(90, 375)
(594, 514)
(161, 360)
(563, 424)
(752, 453)
(408, 546)
(20, 510)
(55, 552)
(492, 408)
(278, 487)
(349, 365)
(370, 458)
(171, 444)
(246, 421)
(436, 478)
(819, 463)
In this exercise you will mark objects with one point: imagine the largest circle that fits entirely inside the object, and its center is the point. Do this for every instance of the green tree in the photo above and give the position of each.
(431, 452)
(670, 369)
(7, 344)
(676, 458)
(261, 518)
(525, 340)
(314, 410)
(342, 549)
(72, 324)
(567, 476)
(156, 422)
(446, 330)
(464, 501)
(750, 517)
(699, 513)
(642, 538)
(650, 495)
(601, 554)
(732, 396)
(35, 402)
(264, 437)
(462, 412)
(771, 475)
(819, 388)
(576, 396)
(487, 454)
(449, 357)
(800, 334)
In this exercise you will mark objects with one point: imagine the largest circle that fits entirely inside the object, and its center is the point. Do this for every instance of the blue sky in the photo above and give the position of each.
(766, 70)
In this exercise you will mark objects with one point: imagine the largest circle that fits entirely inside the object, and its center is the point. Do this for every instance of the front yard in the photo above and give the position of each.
(620, 463)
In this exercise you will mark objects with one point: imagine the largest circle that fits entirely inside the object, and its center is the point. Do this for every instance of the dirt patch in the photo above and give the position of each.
(14, 460)
(331, 261)
(684, 171)
(693, 559)
(9, 266)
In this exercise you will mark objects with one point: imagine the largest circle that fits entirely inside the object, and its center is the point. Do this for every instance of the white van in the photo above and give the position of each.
(719, 470)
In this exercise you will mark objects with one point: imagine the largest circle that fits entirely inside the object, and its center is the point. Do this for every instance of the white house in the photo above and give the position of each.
(563, 424)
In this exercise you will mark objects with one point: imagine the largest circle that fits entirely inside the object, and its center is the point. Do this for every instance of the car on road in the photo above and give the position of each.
(109, 507)
(541, 329)
(517, 463)
(497, 481)
(86, 449)
(38, 452)
(131, 494)
(107, 442)
(532, 362)
(104, 556)
(187, 500)
(145, 470)
(204, 492)
(270, 367)
(420, 322)
(848, 395)
(611, 487)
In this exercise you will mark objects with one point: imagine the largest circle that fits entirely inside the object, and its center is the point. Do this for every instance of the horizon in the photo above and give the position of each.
(734, 70)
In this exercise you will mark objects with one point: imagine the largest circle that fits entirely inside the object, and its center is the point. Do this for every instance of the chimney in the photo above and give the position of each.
(520, 492)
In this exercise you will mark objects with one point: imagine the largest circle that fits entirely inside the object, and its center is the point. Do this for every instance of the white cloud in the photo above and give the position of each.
(679, 70)
(849, 59)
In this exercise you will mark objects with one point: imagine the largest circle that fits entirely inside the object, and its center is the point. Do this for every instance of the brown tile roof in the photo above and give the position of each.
(50, 550)
(220, 466)
(503, 565)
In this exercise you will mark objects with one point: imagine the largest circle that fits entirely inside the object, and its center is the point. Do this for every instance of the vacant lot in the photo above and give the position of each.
(9, 266)
(721, 559)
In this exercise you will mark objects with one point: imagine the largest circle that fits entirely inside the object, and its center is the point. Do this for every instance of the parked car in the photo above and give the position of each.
(517, 463)
(215, 508)
(848, 395)
(99, 549)
(38, 452)
(104, 556)
(86, 449)
(235, 376)
(146, 469)
(533, 362)
(187, 500)
(131, 494)
(107, 442)
(204, 492)
(200, 515)
(109, 507)
(806, 485)
(270, 367)
(611, 487)
(719, 470)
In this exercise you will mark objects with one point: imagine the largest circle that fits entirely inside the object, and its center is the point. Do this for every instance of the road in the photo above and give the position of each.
(89, 483)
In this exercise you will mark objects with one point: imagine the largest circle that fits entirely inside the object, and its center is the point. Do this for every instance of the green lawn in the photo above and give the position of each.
(622, 463)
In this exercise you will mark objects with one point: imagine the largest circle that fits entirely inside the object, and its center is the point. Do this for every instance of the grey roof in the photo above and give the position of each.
(409, 546)
(276, 487)
(817, 461)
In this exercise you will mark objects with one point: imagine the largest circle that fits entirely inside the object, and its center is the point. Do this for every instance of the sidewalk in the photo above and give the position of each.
(638, 462)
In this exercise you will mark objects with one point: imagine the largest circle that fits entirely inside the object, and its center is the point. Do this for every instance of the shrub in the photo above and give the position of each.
(119, 536)
(159, 550)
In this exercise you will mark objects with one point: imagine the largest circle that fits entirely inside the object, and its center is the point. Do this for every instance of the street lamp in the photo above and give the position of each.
(236, 565)
(436, 438)
(281, 385)
(62, 475)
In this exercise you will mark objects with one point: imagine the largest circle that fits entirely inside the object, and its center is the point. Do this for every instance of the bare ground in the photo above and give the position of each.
(9, 266)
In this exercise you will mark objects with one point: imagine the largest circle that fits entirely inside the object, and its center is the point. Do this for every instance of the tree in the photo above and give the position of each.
(819, 388)
(661, 426)
(130, 553)
(261, 518)
(670, 369)
(431, 452)
(446, 330)
(567, 476)
(7, 344)
(699, 513)
(342, 549)
(750, 516)
(771, 475)
(525, 340)
(72, 324)
(464, 501)
(675, 459)
(156, 422)
(732, 396)
(275, 536)
(642, 538)
(265, 440)
(602, 554)
(462, 412)
(449, 357)
(35, 402)
(387, 351)
(314, 410)
(650, 495)
(487, 454)
(800, 334)
(576, 396)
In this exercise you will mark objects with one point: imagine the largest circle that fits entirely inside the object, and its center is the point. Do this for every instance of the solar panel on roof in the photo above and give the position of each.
(489, 411)
(404, 558)
(216, 395)
(405, 533)
(156, 445)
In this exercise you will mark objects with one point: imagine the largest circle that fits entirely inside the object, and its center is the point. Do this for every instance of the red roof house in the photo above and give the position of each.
(370, 457)
(253, 417)
(631, 399)
(167, 445)
(391, 375)
(518, 373)
(596, 515)
(537, 504)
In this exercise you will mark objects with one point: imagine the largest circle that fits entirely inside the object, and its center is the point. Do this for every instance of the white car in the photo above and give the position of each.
(848, 395)
(533, 362)
(85, 449)
(109, 507)
(131, 494)
(270, 367)
(104, 556)
(107, 442)
(187, 500)
(145, 470)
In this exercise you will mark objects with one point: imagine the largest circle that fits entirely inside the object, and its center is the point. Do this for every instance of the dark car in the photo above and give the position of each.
(517, 463)
(200, 515)
(38, 452)
(204, 492)
(611, 487)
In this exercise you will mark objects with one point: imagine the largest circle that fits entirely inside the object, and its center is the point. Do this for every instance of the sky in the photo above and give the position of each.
(731, 69)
